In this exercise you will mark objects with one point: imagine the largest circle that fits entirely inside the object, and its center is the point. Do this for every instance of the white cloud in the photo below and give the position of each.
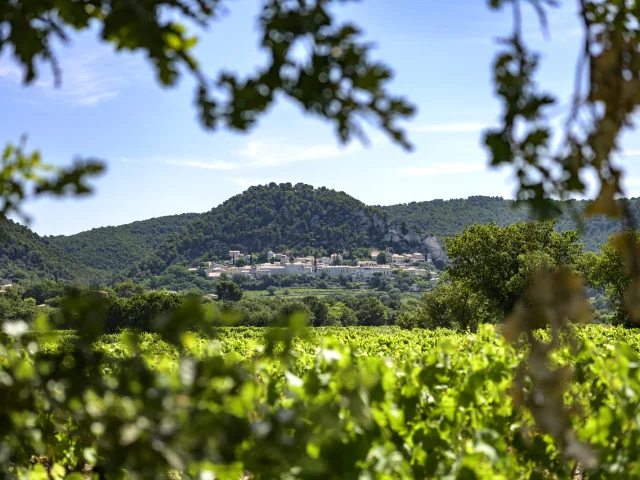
(191, 162)
(460, 127)
(10, 72)
(631, 153)
(440, 169)
(273, 154)
(260, 154)
(631, 181)
(206, 164)
(89, 77)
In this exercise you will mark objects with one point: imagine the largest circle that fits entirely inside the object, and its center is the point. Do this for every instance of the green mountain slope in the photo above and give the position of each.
(444, 218)
(112, 249)
(280, 217)
(25, 255)
(270, 217)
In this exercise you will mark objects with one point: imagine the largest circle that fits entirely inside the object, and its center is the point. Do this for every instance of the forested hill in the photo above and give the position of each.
(278, 217)
(25, 255)
(275, 217)
(115, 248)
(93, 256)
(444, 218)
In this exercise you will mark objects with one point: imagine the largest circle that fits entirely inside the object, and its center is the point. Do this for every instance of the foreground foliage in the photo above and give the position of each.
(293, 403)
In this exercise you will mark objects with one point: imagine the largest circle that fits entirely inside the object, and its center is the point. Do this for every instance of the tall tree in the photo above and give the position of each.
(609, 271)
(499, 262)
(228, 290)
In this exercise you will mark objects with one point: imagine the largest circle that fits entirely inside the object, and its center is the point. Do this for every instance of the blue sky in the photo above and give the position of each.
(161, 162)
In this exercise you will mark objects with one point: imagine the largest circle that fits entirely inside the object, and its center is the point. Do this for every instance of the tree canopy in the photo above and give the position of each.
(500, 262)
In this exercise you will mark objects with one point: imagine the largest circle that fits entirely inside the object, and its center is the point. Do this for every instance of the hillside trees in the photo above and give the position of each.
(498, 263)
(273, 216)
(42, 290)
(112, 249)
(13, 307)
(609, 271)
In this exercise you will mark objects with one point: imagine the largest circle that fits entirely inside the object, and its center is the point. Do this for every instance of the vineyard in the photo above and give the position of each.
(302, 403)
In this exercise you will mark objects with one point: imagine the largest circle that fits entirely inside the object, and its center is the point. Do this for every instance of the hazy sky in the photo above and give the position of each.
(160, 161)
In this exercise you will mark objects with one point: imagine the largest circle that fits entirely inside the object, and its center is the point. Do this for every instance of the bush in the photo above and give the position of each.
(453, 306)
(139, 311)
(319, 309)
(340, 314)
(12, 307)
(227, 290)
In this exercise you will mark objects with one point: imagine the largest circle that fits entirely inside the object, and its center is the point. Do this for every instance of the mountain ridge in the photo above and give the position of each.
(274, 216)
(284, 216)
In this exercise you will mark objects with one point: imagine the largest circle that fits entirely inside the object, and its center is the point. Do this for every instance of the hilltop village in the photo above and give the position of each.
(382, 263)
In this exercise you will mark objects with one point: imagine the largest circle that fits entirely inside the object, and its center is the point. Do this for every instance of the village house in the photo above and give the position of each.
(367, 263)
(415, 271)
(359, 272)
(337, 257)
(396, 259)
(248, 271)
(367, 272)
(304, 260)
(281, 257)
(335, 271)
(418, 257)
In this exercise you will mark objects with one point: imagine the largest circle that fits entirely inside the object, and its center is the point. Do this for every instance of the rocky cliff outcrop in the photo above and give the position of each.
(422, 243)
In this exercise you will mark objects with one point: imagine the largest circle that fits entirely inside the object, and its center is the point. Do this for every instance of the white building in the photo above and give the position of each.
(304, 260)
(359, 272)
(234, 255)
(296, 268)
(335, 271)
(418, 257)
(415, 271)
(281, 257)
(367, 272)
(396, 259)
(248, 271)
(268, 269)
